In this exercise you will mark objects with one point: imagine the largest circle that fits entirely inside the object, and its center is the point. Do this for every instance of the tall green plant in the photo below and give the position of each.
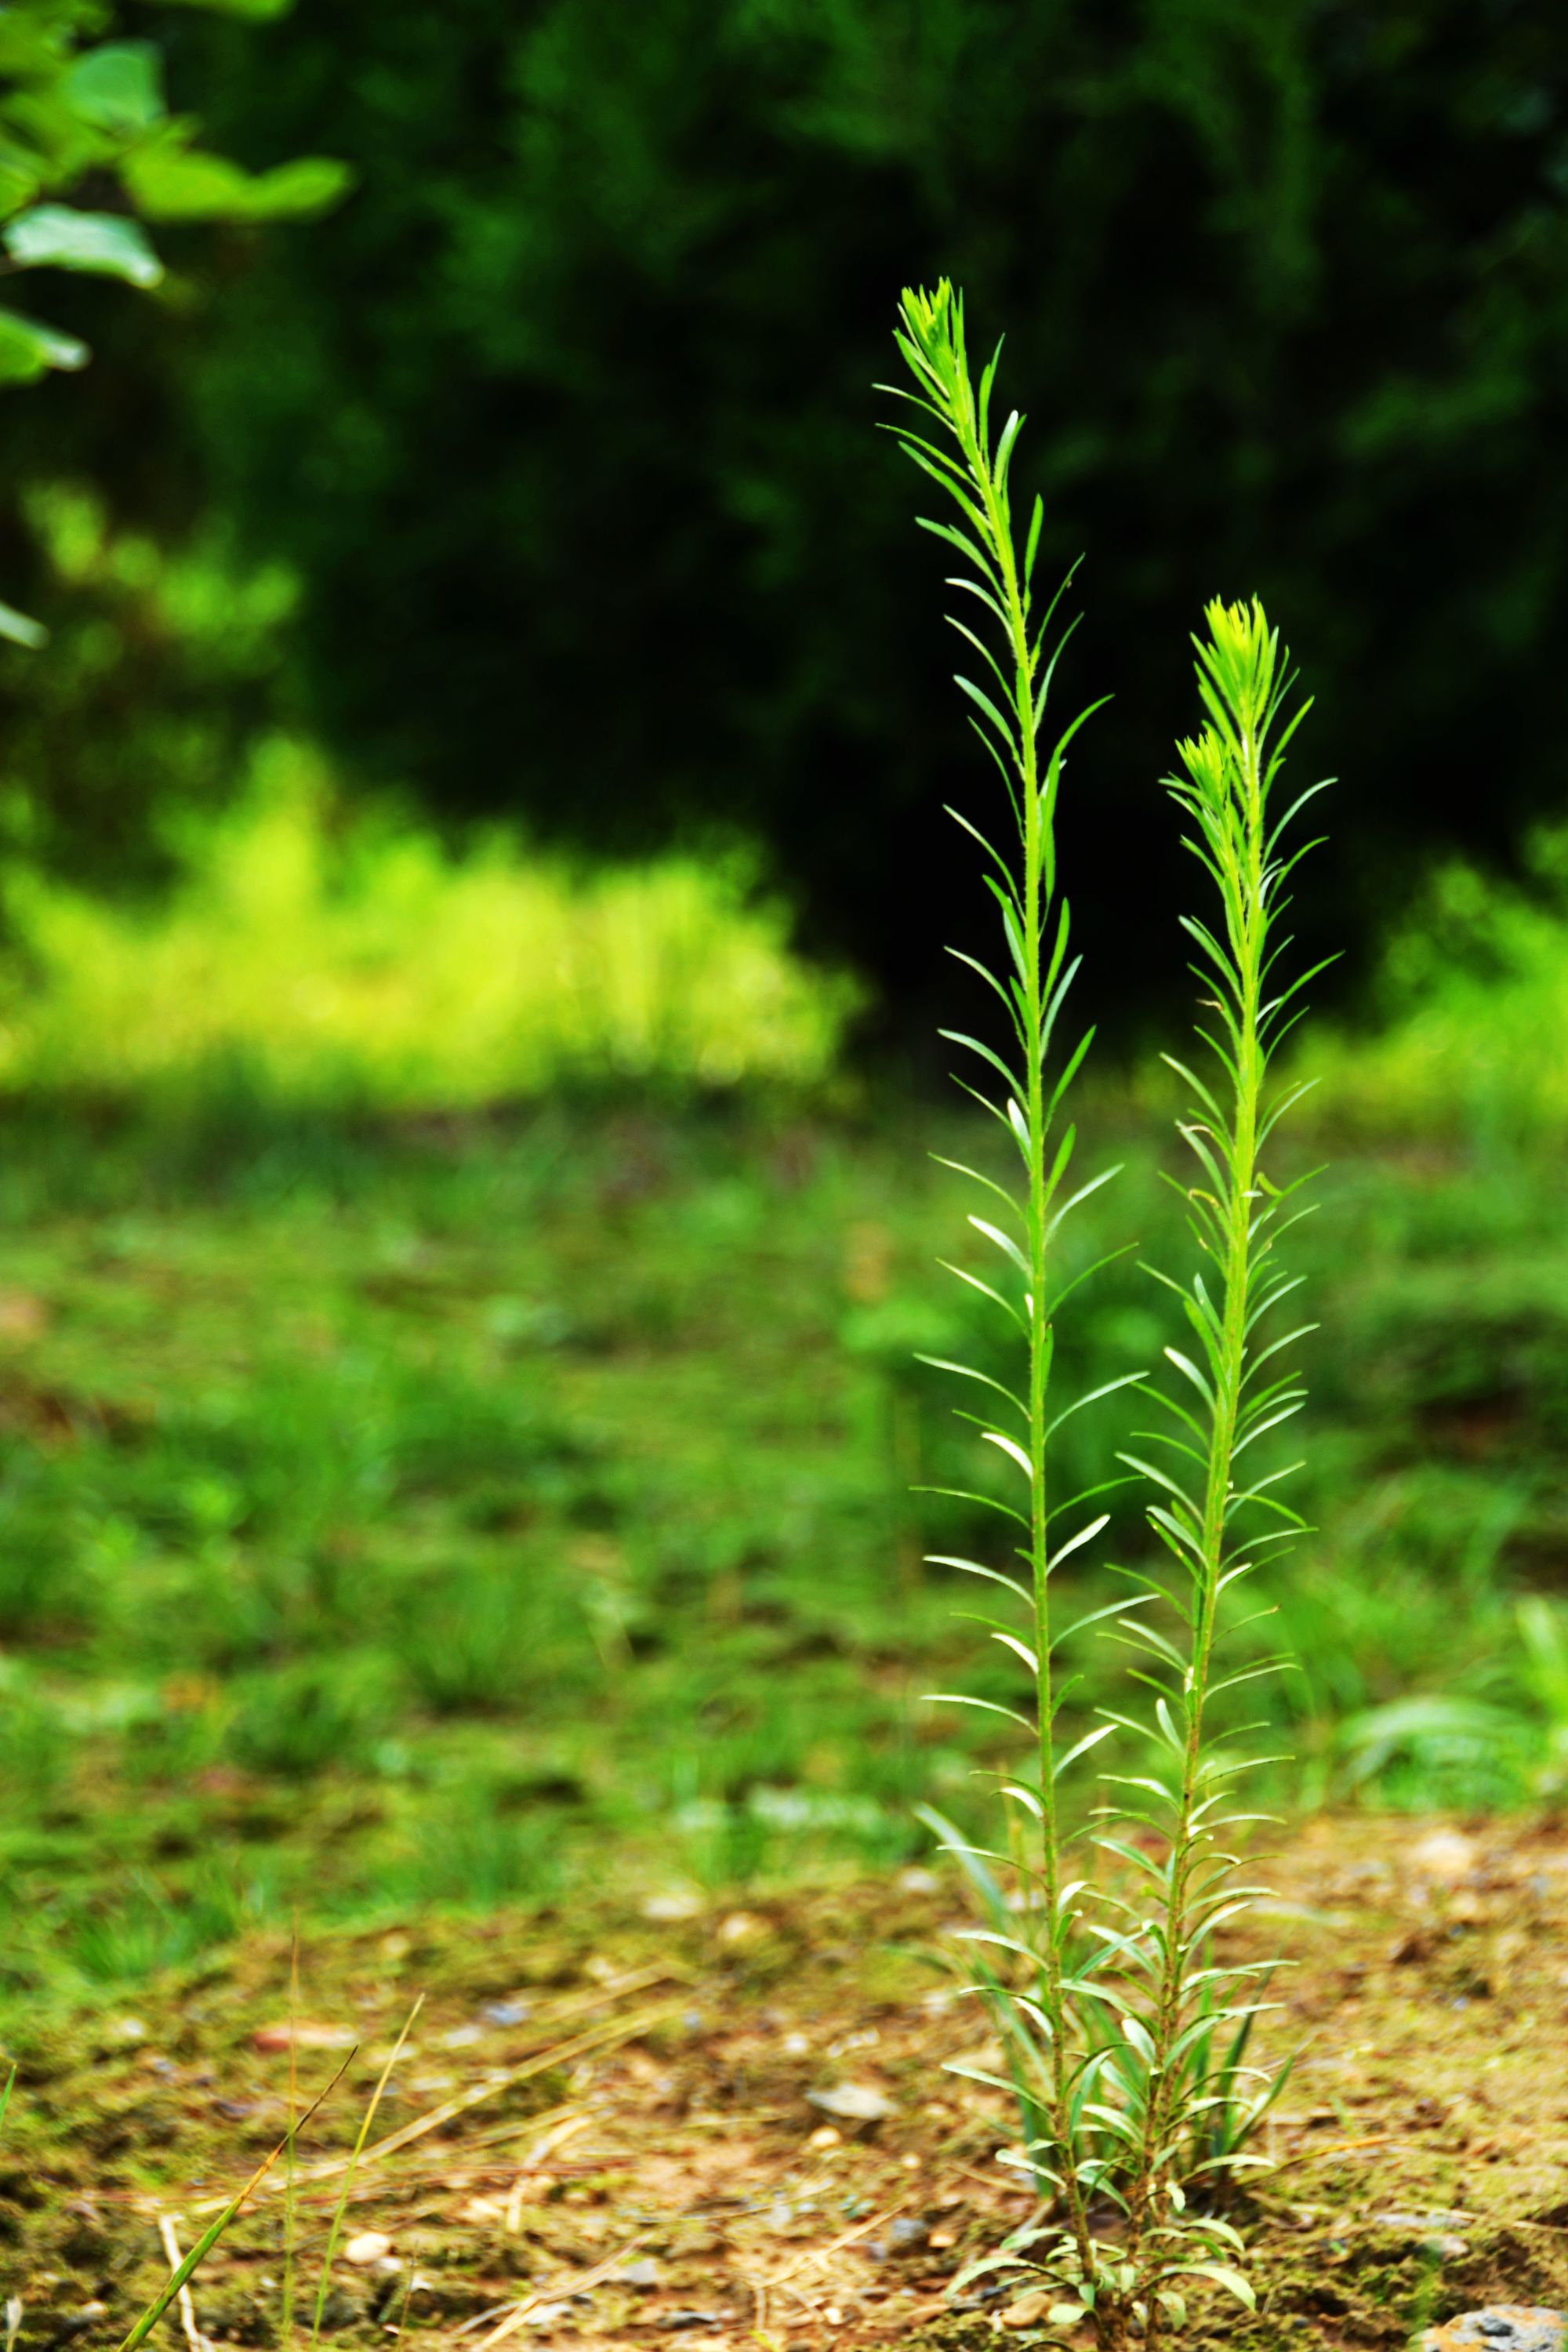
(1189, 2102)
(1125, 2044)
(1051, 2071)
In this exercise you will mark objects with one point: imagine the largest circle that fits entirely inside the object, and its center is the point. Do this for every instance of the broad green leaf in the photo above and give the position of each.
(169, 181)
(119, 87)
(28, 349)
(103, 244)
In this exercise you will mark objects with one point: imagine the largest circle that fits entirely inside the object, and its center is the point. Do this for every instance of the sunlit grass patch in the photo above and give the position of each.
(320, 959)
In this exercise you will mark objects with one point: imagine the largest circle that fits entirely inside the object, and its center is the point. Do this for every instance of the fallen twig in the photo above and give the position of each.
(194, 2337)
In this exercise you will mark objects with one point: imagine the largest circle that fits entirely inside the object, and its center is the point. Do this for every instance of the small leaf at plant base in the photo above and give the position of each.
(104, 245)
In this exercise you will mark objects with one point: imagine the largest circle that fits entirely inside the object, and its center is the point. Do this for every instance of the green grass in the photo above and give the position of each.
(423, 1516)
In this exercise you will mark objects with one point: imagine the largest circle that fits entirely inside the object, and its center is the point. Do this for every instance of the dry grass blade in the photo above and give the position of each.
(518, 2316)
(560, 2053)
(444, 2173)
(574, 2004)
(567, 2129)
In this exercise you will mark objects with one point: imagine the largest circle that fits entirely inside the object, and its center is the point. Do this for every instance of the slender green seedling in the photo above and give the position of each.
(1181, 2076)
(951, 440)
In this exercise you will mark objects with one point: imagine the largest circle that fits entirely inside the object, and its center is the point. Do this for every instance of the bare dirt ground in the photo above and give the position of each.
(628, 2130)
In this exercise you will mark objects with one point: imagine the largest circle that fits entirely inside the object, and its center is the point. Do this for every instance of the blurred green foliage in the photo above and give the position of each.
(564, 419)
(347, 959)
(163, 669)
(80, 113)
(444, 1513)
(1472, 1034)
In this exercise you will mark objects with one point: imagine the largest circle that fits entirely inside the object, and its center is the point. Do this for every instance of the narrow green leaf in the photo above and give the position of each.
(1015, 1453)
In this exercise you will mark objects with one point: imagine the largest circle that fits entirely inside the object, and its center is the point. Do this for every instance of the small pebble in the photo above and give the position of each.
(1437, 2233)
(1444, 1856)
(67, 2323)
(853, 2103)
(506, 2012)
(1502, 2327)
(904, 2233)
(675, 1906)
(370, 2246)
